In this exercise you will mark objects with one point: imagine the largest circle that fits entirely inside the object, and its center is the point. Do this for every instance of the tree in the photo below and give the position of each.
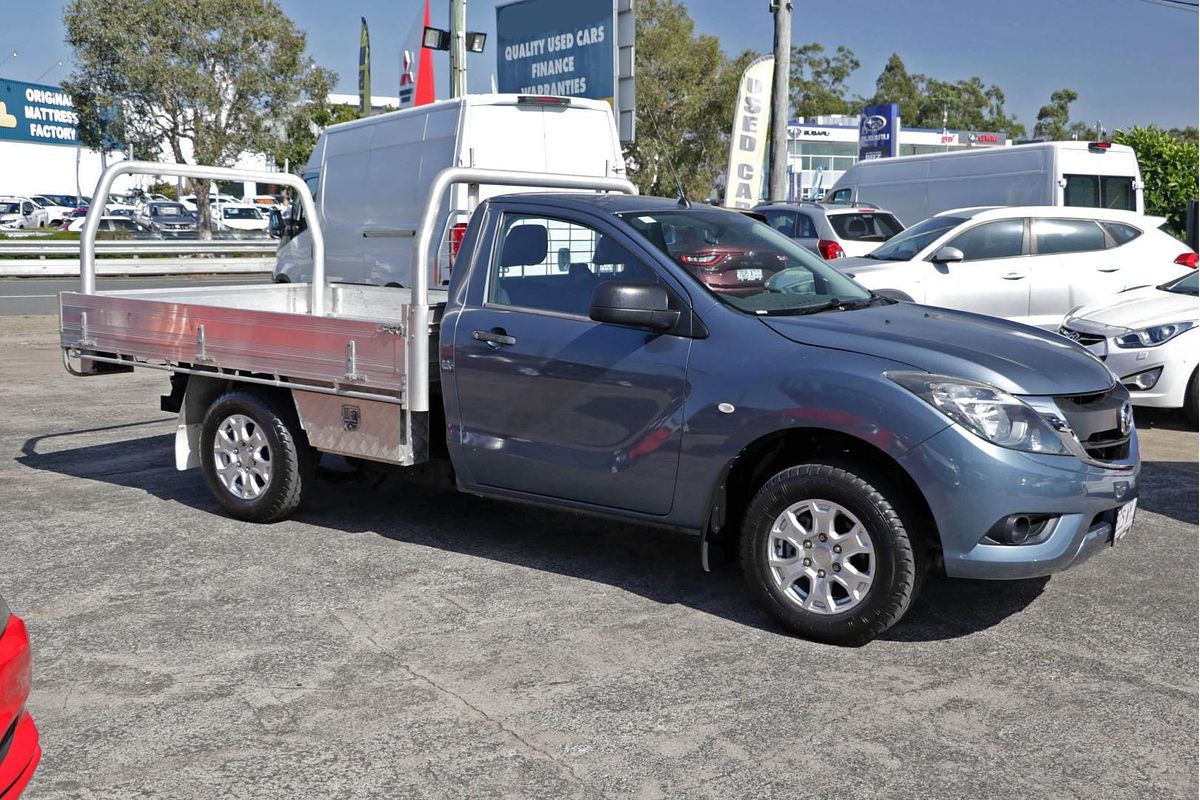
(302, 130)
(818, 81)
(1054, 118)
(223, 77)
(895, 85)
(686, 90)
(1169, 171)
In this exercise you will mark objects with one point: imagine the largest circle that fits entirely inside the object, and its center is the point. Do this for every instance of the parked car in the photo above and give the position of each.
(19, 748)
(240, 217)
(168, 218)
(56, 210)
(214, 199)
(22, 213)
(832, 231)
(118, 210)
(717, 253)
(115, 223)
(1029, 264)
(1150, 338)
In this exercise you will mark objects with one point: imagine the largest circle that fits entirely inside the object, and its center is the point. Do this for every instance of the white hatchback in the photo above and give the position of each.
(1029, 264)
(1150, 338)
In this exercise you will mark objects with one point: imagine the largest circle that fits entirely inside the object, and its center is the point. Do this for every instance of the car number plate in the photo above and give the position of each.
(1124, 520)
(749, 274)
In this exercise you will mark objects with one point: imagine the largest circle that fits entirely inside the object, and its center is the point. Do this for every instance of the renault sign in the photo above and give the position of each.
(31, 112)
(569, 49)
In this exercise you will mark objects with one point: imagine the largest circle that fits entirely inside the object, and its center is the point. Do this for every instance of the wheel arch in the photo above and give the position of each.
(773, 452)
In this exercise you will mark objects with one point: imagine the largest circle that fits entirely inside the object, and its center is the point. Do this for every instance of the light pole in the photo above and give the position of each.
(4, 61)
(50, 69)
(458, 48)
(777, 185)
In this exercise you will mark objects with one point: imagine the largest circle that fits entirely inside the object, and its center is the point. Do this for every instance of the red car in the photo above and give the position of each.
(19, 750)
(732, 269)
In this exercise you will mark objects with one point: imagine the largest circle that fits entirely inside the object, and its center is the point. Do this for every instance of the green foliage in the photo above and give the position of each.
(686, 90)
(225, 75)
(304, 128)
(1169, 171)
(818, 81)
(1054, 120)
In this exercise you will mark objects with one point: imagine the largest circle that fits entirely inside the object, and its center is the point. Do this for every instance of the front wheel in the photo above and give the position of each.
(255, 457)
(827, 554)
(1191, 400)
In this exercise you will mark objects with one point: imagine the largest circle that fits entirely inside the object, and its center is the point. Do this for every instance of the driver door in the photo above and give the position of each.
(994, 276)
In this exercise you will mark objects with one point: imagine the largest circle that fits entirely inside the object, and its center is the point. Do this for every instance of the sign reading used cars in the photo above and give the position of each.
(748, 139)
(31, 112)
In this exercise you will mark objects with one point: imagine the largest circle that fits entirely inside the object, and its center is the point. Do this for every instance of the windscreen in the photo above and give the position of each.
(1188, 284)
(907, 244)
(745, 263)
(10, 208)
(865, 226)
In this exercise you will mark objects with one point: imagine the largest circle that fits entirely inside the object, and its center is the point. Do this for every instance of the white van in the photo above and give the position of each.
(1087, 174)
(370, 177)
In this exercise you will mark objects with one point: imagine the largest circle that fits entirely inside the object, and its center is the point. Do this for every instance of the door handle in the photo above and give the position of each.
(1107, 269)
(494, 338)
(1013, 276)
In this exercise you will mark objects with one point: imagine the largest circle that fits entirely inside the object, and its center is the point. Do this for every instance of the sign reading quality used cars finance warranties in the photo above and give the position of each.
(557, 48)
(31, 112)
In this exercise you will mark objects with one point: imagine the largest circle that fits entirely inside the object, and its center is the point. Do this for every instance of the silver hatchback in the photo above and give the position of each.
(833, 231)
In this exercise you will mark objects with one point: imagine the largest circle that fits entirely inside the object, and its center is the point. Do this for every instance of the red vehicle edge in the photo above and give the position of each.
(19, 748)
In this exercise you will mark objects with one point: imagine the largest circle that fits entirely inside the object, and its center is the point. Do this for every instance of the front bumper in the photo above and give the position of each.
(971, 484)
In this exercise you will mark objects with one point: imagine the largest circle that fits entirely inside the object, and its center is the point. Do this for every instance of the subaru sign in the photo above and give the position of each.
(879, 132)
(31, 112)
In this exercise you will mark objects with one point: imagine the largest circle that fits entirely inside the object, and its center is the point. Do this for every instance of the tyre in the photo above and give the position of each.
(1191, 399)
(825, 551)
(255, 457)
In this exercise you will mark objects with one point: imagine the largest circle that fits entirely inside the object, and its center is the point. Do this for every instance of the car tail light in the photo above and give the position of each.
(703, 260)
(830, 250)
(1188, 260)
(457, 232)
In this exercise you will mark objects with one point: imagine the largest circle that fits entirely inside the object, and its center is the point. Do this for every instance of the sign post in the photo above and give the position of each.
(879, 132)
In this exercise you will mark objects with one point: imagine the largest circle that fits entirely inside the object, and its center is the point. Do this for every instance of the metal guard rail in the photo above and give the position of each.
(137, 247)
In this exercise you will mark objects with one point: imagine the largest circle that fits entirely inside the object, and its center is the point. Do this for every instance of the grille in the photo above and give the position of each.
(1096, 420)
(1085, 339)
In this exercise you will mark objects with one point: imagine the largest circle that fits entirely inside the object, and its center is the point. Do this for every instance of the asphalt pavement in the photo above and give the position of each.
(399, 641)
(37, 296)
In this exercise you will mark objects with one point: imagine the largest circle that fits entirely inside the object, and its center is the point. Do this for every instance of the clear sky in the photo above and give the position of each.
(1131, 61)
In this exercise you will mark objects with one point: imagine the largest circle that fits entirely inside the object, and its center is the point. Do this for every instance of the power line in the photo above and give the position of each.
(1178, 5)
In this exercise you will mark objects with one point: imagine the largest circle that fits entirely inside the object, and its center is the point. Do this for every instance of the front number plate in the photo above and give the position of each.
(1124, 520)
(749, 274)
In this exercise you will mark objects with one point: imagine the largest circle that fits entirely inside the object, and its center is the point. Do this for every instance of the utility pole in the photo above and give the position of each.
(778, 189)
(458, 48)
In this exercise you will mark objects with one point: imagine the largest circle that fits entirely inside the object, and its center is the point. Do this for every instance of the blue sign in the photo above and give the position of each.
(31, 112)
(879, 132)
(557, 48)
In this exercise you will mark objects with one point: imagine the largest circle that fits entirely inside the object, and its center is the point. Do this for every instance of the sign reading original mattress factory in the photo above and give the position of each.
(30, 112)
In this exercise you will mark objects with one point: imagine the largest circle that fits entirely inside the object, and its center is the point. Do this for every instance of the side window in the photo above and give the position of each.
(1082, 191)
(1066, 236)
(783, 222)
(1120, 232)
(1000, 239)
(26, 208)
(1117, 192)
(805, 229)
(553, 265)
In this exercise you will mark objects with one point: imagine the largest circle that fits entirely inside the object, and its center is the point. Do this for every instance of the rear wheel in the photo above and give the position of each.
(255, 457)
(827, 554)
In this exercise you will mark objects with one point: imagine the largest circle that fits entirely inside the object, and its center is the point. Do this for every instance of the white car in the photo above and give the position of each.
(56, 211)
(214, 199)
(832, 231)
(112, 223)
(1029, 264)
(1150, 338)
(20, 213)
(240, 217)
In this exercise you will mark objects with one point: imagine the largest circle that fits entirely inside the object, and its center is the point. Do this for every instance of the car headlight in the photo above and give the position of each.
(1154, 335)
(984, 410)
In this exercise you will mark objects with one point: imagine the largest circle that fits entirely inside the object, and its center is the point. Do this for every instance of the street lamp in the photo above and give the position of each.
(13, 54)
(52, 67)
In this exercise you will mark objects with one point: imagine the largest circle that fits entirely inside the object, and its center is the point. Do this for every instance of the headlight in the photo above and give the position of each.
(985, 411)
(1154, 335)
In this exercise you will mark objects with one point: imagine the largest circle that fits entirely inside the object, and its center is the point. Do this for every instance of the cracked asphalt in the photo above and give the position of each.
(398, 641)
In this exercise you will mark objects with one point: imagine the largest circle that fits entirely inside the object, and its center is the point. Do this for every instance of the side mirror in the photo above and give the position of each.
(275, 225)
(948, 255)
(639, 305)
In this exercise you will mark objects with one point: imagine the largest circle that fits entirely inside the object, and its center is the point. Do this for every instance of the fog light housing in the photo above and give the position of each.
(1142, 381)
(1019, 529)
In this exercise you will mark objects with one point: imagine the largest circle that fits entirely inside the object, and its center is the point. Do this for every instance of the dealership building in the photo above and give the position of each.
(820, 149)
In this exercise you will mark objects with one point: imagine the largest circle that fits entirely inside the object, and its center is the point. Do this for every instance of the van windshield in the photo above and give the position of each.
(746, 264)
(905, 245)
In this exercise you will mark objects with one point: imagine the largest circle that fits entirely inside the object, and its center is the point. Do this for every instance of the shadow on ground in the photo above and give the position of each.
(662, 566)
